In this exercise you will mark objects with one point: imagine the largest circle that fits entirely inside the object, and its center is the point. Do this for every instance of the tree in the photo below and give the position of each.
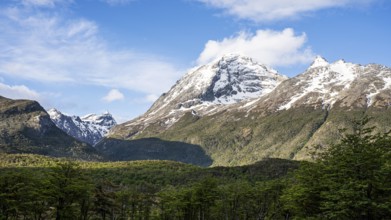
(23, 194)
(71, 191)
(351, 180)
(357, 175)
(104, 199)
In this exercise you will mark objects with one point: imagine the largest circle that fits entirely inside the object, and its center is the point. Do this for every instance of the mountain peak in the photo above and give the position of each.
(341, 61)
(54, 113)
(209, 88)
(229, 79)
(54, 110)
(90, 128)
(94, 118)
(236, 56)
(319, 62)
(239, 59)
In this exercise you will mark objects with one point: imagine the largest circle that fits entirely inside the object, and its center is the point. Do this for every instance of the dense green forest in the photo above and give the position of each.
(351, 180)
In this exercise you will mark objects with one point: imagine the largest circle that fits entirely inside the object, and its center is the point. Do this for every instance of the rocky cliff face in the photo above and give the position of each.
(89, 129)
(239, 111)
(25, 127)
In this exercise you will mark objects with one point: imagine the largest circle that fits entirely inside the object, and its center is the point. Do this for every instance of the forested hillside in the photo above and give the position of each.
(349, 181)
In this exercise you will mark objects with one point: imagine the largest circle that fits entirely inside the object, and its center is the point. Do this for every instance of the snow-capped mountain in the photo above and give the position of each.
(326, 85)
(239, 111)
(211, 88)
(90, 128)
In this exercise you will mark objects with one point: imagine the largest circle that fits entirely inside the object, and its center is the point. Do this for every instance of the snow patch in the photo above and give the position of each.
(90, 128)
(323, 80)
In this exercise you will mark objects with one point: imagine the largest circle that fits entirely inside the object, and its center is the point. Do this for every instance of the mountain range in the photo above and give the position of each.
(232, 111)
(25, 127)
(238, 111)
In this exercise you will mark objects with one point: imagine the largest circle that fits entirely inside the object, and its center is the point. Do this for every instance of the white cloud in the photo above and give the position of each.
(46, 47)
(266, 10)
(18, 92)
(274, 48)
(113, 95)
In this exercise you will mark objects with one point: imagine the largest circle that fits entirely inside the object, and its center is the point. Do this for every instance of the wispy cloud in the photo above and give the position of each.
(44, 3)
(113, 95)
(274, 48)
(265, 10)
(47, 47)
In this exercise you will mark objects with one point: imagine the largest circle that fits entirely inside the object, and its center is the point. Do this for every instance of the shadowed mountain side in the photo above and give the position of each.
(153, 149)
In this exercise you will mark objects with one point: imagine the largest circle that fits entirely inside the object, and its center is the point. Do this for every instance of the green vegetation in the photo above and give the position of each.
(38, 187)
(239, 138)
(25, 127)
(351, 180)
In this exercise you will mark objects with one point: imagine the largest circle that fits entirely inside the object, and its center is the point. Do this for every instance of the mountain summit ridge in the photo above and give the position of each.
(341, 84)
(90, 128)
(230, 79)
(208, 89)
(274, 116)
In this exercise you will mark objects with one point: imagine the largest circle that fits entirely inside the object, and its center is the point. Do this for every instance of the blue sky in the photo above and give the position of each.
(89, 56)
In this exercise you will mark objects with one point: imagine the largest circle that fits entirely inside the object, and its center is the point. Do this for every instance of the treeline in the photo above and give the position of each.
(352, 180)
(67, 191)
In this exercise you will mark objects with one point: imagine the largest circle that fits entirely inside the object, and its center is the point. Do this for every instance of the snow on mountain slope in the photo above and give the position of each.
(326, 85)
(90, 128)
(100, 123)
(228, 80)
(328, 80)
(238, 84)
(211, 88)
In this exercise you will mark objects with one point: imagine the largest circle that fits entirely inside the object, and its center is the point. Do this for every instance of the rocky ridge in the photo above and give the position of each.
(89, 129)
(327, 85)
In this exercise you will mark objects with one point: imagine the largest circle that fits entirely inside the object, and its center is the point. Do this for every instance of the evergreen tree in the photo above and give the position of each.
(350, 181)
(71, 190)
